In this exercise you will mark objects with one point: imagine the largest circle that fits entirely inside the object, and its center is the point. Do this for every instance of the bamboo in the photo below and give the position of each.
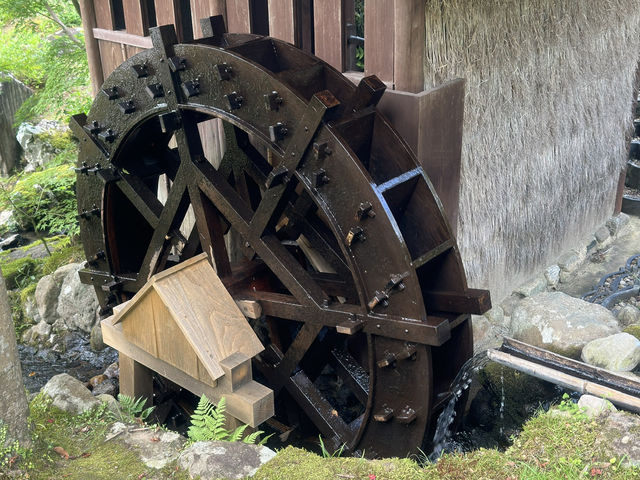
(549, 374)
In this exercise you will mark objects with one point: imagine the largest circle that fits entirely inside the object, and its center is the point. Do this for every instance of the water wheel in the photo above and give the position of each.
(317, 210)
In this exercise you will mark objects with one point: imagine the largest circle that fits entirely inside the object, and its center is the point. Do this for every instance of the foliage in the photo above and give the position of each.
(43, 201)
(325, 453)
(12, 454)
(20, 54)
(20, 273)
(208, 424)
(132, 408)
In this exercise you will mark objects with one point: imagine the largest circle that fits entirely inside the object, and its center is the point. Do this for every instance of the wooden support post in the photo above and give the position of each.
(329, 32)
(409, 45)
(206, 9)
(281, 17)
(168, 13)
(239, 16)
(135, 17)
(136, 380)
(91, 44)
(379, 25)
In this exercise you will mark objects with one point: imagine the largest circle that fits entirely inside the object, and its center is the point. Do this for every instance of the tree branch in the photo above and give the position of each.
(65, 29)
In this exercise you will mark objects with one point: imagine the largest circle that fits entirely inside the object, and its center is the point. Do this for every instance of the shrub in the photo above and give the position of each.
(20, 273)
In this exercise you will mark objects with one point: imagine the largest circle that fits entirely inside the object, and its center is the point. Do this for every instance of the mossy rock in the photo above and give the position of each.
(633, 329)
(19, 272)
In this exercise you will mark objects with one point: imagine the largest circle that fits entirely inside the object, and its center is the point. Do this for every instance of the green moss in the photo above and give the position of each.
(19, 273)
(633, 330)
(63, 256)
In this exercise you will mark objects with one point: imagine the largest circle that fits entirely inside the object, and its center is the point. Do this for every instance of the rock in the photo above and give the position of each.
(620, 437)
(69, 394)
(63, 300)
(509, 304)
(497, 319)
(113, 370)
(628, 315)
(619, 352)
(156, 448)
(31, 310)
(77, 302)
(482, 333)
(556, 321)
(614, 224)
(565, 277)
(633, 330)
(535, 286)
(595, 406)
(552, 274)
(7, 222)
(95, 339)
(12, 94)
(35, 142)
(602, 234)
(12, 241)
(107, 387)
(232, 460)
(569, 261)
(39, 333)
(112, 404)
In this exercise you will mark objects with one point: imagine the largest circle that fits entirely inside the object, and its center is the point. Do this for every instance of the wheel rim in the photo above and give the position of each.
(353, 191)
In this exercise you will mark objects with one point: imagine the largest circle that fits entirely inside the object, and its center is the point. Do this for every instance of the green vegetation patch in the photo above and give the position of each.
(633, 330)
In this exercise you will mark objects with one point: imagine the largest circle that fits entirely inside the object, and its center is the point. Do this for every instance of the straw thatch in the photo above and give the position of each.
(548, 107)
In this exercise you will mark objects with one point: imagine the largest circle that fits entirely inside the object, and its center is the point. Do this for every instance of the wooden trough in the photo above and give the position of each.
(184, 325)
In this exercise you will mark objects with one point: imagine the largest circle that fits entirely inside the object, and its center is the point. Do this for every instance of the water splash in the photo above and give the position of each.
(462, 382)
(502, 400)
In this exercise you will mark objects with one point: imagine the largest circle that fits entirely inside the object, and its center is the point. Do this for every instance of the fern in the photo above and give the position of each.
(208, 424)
(132, 408)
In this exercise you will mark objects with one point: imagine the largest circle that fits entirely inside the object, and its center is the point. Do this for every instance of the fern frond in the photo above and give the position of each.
(236, 435)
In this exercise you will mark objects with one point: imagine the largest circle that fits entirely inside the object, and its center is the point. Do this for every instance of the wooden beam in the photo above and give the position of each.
(117, 36)
(281, 20)
(379, 25)
(239, 16)
(329, 32)
(409, 45)
(91, 45)
(135, 17)
(472, 301)
(136, 380)
(103, 13)
(168, 13)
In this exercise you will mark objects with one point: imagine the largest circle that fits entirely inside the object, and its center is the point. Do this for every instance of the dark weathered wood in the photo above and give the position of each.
(281, 18)
(408, 45)
(91, 44)
(471, 301)
(136, 17)
(239, 16)
(168, 13)
(431, 124)
(329, 32)
(379, 25)
(111, 54)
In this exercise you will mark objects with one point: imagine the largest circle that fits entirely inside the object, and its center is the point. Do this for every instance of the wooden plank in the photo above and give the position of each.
(252, 403)
(207, 314)
(379, 24)
(239, 16)
(91, 45)
(104, 14)
(281, 20)
(431, 124)
(111, 55)
(471, 300)
(168, 13)
(136, 380)
(135, 17)
(204, 9)
(141, 329)
(122, 37)
(569, 381)
(249, 308)
(329, 32)
(409, 45)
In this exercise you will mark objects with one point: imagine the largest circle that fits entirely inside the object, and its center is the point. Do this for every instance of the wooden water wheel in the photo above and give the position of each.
(317, 210)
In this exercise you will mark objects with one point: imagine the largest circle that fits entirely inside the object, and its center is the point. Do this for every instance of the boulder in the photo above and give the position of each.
(533, 287)
(558, 322)
(69, 394)
(619, 352)
(614, 224)
(232, 460)
(35, 142)
(602, 235)
(569, 261)
(628, 315)
(12, 241)
(156, 448)
(38, 333)
(552, 274)
(595, 406)
(95, 339)
(620, 437)
(66, 302)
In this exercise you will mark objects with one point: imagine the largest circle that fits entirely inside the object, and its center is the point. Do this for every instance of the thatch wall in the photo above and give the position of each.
(548, 108)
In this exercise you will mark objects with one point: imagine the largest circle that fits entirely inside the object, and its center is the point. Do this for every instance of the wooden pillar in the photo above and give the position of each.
(135, 17)
(238, 16)
(409, 45)
(329, 33)
(379, 25)
(91, 44)
(136, 380)
(168, 13)
(205, 9)
(281, 17)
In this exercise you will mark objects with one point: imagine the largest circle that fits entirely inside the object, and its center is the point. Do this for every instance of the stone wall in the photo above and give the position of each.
(12, 94)
(548, 108)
